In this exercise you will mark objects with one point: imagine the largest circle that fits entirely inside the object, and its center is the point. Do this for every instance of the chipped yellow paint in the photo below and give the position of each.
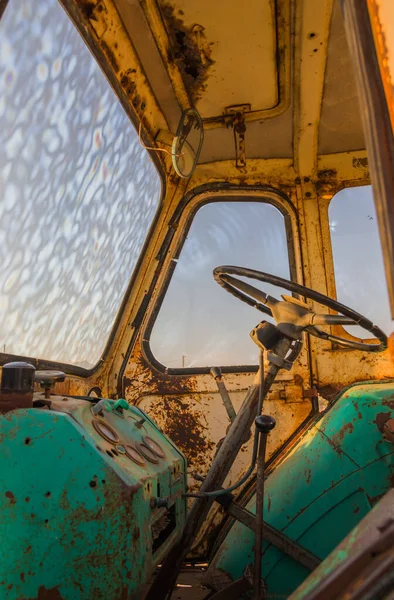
(313, 24)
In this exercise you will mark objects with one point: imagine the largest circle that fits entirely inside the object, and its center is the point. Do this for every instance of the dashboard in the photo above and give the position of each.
(91, 498)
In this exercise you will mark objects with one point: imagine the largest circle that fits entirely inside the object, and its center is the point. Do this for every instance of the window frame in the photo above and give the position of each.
(181, 223)
(324, 202)
(98, 57)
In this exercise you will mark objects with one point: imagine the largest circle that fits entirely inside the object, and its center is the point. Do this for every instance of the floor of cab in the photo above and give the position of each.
(188, 585)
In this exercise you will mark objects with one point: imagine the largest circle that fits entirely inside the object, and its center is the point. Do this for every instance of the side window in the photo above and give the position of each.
(78, 192)
(358, 260)
(199, 324)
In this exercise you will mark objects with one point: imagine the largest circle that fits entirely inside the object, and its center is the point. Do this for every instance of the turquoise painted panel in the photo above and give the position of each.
(75, 521)
(323, 487)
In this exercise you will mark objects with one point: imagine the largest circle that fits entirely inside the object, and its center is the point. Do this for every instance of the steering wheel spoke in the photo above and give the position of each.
(318, 319)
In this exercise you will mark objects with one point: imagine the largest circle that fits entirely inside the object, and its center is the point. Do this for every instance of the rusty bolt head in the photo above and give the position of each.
(388, 431)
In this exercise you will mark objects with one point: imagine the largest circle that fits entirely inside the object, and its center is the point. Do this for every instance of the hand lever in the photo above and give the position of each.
(264, 424)
(228, 405)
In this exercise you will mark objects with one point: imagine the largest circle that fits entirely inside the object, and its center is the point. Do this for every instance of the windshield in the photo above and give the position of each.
(78, 192)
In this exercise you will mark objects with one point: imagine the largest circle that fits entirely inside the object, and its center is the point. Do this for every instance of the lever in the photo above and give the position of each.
(264, 424)
(228, 405)
(47, 379)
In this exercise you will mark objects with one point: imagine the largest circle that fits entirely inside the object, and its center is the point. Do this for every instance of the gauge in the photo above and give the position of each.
(134, 455)
(106, 431)
(148, 453)
(154, 446)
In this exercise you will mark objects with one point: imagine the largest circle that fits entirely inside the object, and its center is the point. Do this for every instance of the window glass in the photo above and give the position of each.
(78, 192)
(199, 323)
(358, 260)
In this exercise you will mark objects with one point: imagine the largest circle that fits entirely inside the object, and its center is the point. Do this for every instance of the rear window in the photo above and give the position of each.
(358, 260)
(78, 192)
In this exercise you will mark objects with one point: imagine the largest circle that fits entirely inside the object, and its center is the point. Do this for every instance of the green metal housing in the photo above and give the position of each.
(78, 518)
(322, 489)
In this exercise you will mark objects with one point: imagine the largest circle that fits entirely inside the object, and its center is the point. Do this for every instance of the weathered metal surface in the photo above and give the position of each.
(77, 520)
(388, 430)
(377, 126)
(190, 57)
(367, 534)
(313, 25)
(188, 49)
(270, 534)
(322, 489)
(382, 23)
(100, 24)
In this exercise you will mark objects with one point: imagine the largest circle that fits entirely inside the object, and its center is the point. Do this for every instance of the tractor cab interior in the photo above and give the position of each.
(160, 438)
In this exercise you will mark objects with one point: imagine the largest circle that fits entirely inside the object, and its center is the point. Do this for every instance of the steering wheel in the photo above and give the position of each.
(293, 316)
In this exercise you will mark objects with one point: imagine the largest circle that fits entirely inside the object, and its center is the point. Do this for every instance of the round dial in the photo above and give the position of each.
(154, 446)
(148, 453)
(106, 431)
(134, 455)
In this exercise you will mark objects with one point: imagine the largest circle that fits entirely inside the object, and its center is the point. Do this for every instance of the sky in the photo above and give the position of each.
(79, 194)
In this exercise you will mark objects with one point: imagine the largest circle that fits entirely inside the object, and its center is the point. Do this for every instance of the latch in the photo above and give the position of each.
(234, 116)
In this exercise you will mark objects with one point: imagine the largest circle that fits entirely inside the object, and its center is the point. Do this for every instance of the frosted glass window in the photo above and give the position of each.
(77, 191)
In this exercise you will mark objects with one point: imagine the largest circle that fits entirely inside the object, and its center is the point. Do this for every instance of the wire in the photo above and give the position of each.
(153, 148)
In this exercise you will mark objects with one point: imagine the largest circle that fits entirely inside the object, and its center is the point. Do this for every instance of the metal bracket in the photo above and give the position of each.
(234, 117)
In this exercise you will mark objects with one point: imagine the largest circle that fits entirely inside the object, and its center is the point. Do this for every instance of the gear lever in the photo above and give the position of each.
(264, 424)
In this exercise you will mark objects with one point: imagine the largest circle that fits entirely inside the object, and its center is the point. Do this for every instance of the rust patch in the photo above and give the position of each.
(189, 50)
(360, 163)
(46, 594)
(330, 392)
(128, 82)
(381, 420)
(389, 402)
(185, 427)
(338, 437)
(10, 497)
(88, 9)
(327, 174)
(308, 475)
(110, 55)
(155, 382)
(388, 431)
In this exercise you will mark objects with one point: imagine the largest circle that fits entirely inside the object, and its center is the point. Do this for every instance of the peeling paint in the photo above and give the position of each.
(189, 50)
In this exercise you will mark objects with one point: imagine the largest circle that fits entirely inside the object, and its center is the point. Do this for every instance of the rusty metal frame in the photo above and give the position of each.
(376, 124)
(282, 11)
(186, 212)
(378, 9)
(3, 6)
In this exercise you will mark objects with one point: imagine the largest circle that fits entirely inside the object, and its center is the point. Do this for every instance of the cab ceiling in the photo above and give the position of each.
(217, 55)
